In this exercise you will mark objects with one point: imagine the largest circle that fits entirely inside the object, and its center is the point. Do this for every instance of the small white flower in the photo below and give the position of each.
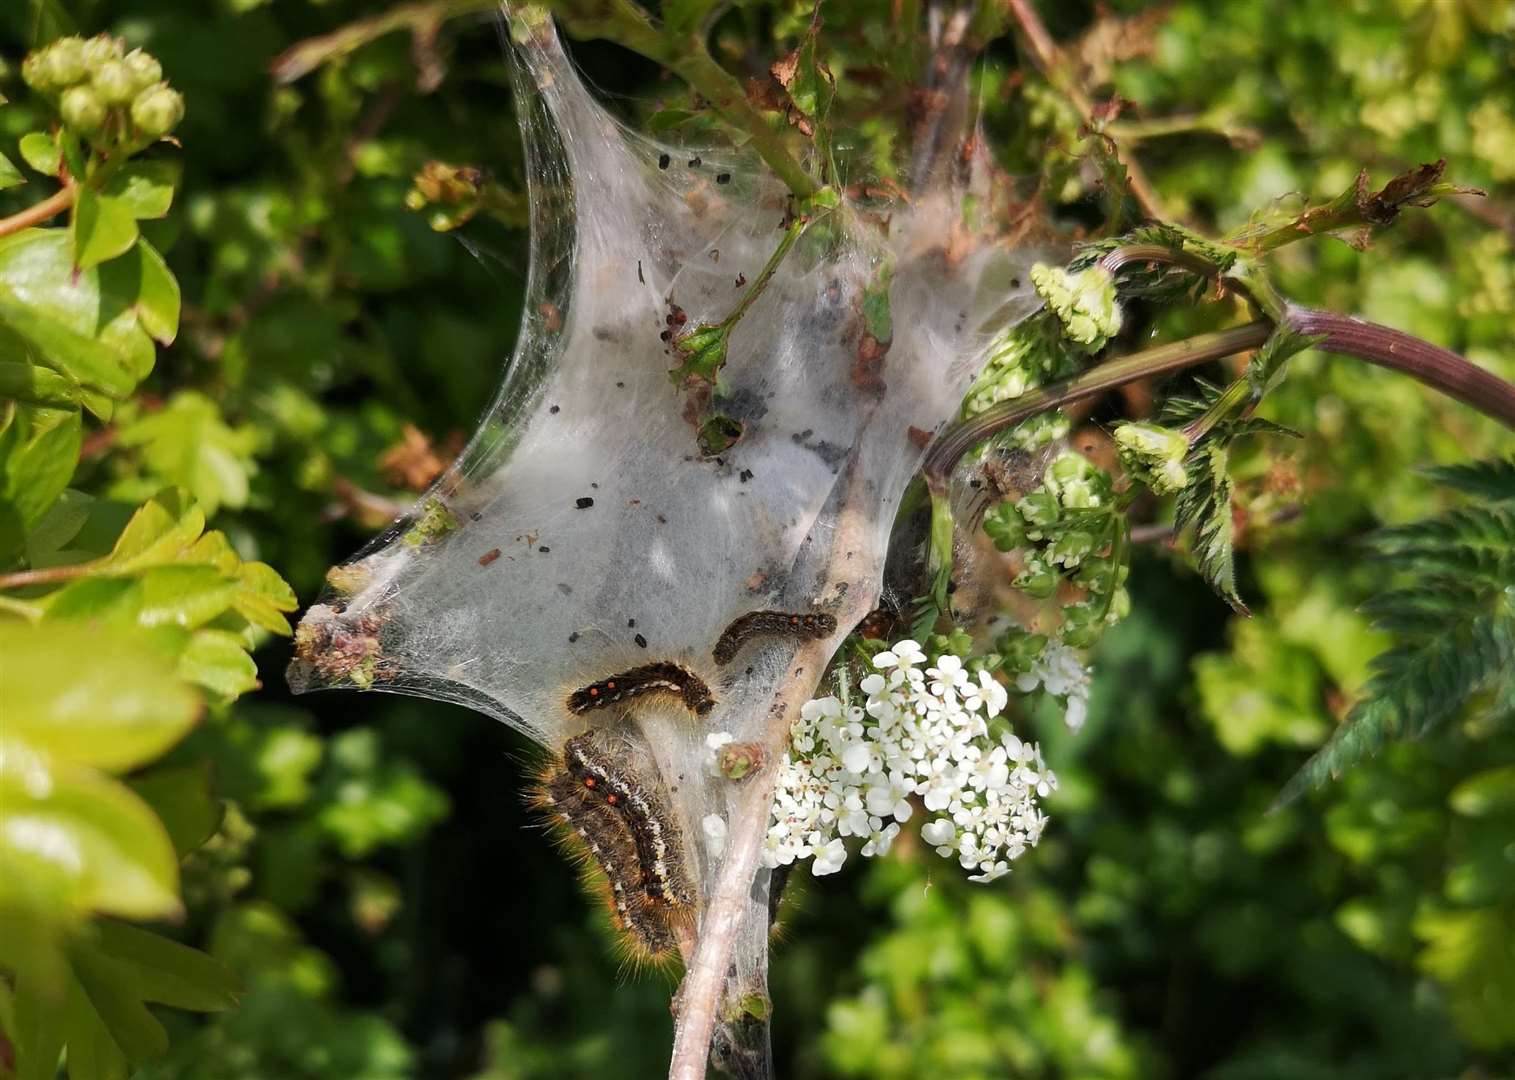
(829, 859)
(939, 833)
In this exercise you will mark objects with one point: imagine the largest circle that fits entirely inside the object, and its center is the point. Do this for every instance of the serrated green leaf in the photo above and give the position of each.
(121, 709)
(102, 228)
(145, 189)
(1203, 508)
(10, 176)
(1265, 369)
(1493, 480)
(181, 797)
(42, 152)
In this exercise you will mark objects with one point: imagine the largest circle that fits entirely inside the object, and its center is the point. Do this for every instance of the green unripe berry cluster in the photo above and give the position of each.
(116, 99)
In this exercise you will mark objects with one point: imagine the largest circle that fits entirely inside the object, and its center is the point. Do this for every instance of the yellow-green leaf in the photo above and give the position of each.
(103, 227)
(90, 695)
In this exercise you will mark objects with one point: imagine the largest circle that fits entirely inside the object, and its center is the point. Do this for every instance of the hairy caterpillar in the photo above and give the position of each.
(769, 624)
(660, 677)
(589, 823)
(654, 836)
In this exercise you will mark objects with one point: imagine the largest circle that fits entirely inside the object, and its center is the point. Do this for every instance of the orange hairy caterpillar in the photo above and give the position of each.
(660, 677)
(603, 775)
(599, 831)
(770, 624)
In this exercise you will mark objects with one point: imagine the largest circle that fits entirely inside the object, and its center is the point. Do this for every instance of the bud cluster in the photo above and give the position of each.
(116, 99)
(1063, 529)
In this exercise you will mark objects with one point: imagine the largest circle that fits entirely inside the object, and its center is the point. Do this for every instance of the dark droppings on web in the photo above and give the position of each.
(829, 452)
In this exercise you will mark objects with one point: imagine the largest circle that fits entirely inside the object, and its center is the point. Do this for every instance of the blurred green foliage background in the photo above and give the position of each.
(375, 882)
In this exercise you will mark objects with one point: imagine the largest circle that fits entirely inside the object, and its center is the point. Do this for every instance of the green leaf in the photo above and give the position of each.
(219, 662)
(189, 445)
(158, 298)
(121, 709)
(83, 324)
(181, 796)
(102, 228)
(27, 382)
(145, 189)
(10, 176)
(1204, 507)
(1265, 369)
(42, 152)
(166, 972)
(77, 842)
(161, 530)
(39, 449)
(1454, 624)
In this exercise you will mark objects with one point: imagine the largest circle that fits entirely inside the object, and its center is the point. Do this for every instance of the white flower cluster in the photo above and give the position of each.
(1060, 672)
(923, 731)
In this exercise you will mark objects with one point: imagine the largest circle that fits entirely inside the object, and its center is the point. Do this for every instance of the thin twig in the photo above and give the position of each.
(1049, 59)
(422, 19)
(36, 214)
(727, 904)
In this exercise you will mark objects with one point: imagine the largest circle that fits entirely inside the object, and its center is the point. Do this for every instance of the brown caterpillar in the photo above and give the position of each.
(660, 677)
(654, 836)
(770, 624)
(585, 820)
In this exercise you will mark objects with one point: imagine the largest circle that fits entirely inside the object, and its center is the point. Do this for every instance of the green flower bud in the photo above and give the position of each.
(1003, 525)
(1036, 581)
(100, 48)
(34, 72)
(63, 63)
(157, 110)
(1154, 455)
(1070, 548)
(145, 67)
(1081, 626)
(114, 82)
(82, 108)
(1039, 509)
(1084, 303)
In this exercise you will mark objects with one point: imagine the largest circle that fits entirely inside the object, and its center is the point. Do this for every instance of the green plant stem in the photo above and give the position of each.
(36, 214)
(952, 444)
(1222, 407)
(754, 290)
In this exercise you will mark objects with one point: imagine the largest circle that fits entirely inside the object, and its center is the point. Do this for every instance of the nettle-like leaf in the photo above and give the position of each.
(1203, 508)
(1454, 625)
